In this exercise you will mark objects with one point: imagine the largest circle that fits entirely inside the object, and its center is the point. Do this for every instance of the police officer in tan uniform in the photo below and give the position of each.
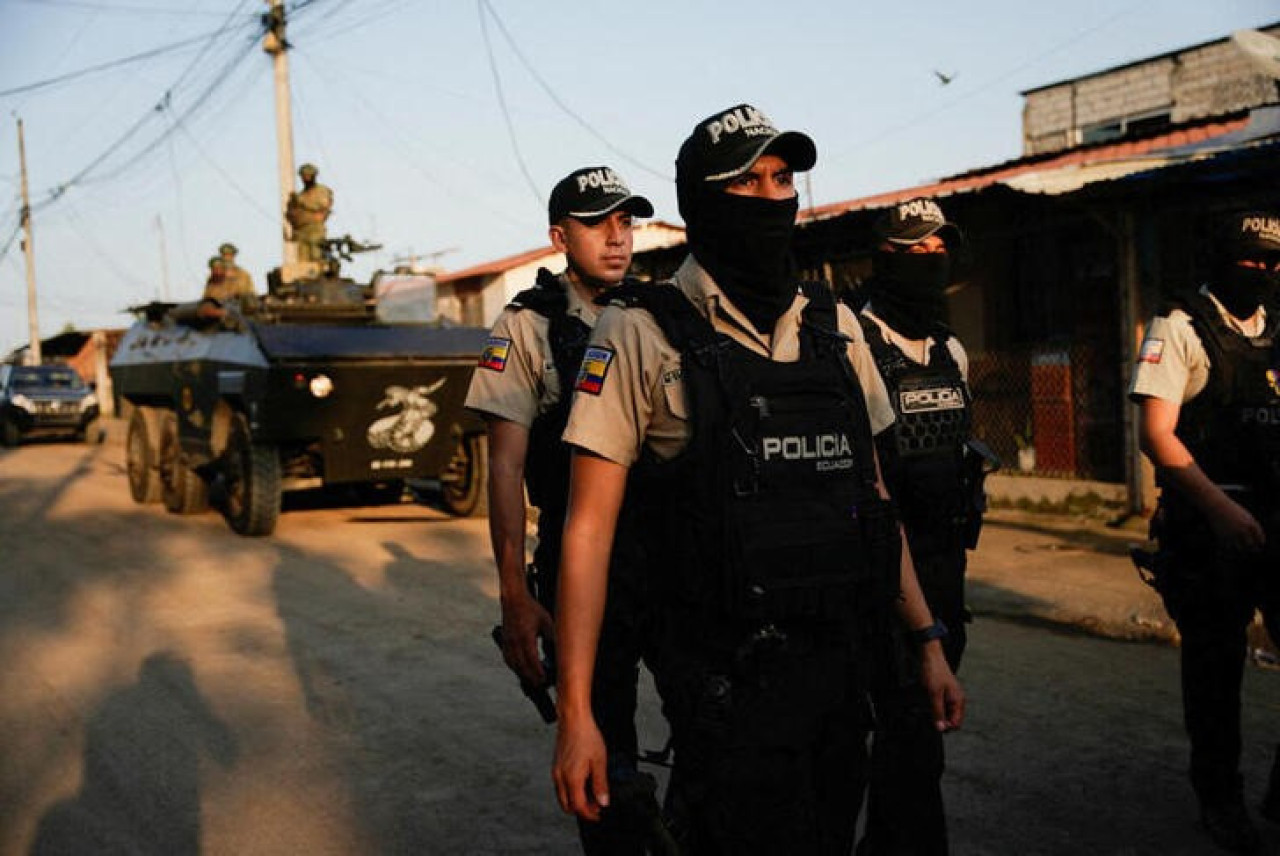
(736, 407)
(522, 388)
(307, 212)
(238, 281)
(216, 286)
(1207, 386)
(925, 464)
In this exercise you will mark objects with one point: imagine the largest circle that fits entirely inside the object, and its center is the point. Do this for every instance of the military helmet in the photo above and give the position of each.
(307, 169)
(216, 261)
(227, 248)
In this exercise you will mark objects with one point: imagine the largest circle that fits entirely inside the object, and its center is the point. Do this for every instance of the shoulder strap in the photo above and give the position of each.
(685, 328)
(547, 297)
(1209, 326)
(819, 320)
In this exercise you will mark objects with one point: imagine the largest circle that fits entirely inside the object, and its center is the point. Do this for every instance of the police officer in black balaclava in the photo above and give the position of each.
(924, 367)
(744, 240)
(733, 409)
(1207, 386)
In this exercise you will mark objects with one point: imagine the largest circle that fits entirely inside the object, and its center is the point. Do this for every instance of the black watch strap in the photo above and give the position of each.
(936, 630)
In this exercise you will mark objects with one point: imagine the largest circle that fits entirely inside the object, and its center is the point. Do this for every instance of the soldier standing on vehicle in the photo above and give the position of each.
(307, 212)
(215, 287)
(523, 388)
(1207, 386)
(938, 492)
(735, 406)
(239, 283)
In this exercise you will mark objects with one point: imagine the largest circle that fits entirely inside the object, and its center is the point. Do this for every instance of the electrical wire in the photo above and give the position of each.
(87, 21)
(103, 7)
(86, 175)
(396, 135)
(244, 194)
(502, 103)
(181, 209)
(77, 224)
(8, 243)
(559, 102)
(110, 64)
(1000, 78)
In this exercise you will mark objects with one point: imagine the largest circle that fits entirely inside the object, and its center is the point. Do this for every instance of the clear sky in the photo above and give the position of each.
(148, 165)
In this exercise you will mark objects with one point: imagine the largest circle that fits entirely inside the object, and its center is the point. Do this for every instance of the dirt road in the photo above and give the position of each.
(170, 687)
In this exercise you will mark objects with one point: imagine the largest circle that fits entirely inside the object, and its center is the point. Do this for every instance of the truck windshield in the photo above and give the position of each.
(40, 378)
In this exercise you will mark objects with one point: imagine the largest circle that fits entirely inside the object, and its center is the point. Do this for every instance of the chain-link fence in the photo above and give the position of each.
(1050, 411)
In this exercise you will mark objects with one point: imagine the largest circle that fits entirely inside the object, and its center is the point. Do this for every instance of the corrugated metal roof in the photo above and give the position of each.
(1063, 172)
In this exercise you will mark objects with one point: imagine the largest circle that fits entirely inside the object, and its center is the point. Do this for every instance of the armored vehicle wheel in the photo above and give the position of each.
(184, 492)
(253, 482)
(464, 486)
(10, 433)
(142, 444)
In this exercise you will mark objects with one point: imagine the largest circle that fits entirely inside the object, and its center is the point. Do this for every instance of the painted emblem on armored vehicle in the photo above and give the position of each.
(410, 427)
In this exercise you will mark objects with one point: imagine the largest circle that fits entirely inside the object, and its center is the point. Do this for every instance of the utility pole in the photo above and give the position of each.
(164, 261)
(28, 246)
(275, 44)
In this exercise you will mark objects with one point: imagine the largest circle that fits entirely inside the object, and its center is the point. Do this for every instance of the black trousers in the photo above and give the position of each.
(1212, 596)
(625, 639)
(769, 742)
(905, 813)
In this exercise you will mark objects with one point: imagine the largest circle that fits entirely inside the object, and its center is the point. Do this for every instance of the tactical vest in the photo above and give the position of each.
(546, 469)
(770, 513)
(922, 455)
(1232, 428)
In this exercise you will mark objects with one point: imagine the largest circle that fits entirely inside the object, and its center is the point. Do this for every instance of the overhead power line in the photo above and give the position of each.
(1038, 57)
(481, 6)
(138, 10)
(164, 106)
(559, 102)
(115, 63)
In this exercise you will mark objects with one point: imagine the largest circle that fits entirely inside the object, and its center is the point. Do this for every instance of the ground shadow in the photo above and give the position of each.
(141, 786)
(447, 756)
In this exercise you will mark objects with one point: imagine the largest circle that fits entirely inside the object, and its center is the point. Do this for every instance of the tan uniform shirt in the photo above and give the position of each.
(516, 379)
(639, 397)
(1172, 362)
(237, 282)
(918, 349)
(310, 207)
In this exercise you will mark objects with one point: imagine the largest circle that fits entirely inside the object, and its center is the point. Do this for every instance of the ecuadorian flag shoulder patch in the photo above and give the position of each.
(595, 365)
(494, 356)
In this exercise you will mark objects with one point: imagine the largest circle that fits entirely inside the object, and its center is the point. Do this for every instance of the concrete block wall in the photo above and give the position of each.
(1127, 92)
(1209, 80)
(1218, 79)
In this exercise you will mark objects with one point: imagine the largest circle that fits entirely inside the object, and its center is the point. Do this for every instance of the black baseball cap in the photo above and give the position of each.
(592, 192)
(726, 144)
(1252, 233)
(912, 221)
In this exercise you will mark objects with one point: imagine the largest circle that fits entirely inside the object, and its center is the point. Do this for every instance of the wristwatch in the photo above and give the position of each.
(936, 630)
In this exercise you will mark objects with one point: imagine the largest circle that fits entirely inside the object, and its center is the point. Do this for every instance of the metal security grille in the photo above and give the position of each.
(1050, 411)
(53, 408)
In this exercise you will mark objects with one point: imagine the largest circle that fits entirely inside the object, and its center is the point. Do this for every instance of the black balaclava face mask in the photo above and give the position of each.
(909, 291)
(1241, 290)
(744, 243)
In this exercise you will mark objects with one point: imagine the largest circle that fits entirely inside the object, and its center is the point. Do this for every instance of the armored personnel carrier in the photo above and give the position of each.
(322, 382)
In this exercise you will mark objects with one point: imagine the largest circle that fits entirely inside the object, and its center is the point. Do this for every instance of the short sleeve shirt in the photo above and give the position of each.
(516, 378)
(635, 395)
(919, 349)
(1172, 362)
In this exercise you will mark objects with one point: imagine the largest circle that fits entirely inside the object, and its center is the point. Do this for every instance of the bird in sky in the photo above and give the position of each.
(944, 79)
